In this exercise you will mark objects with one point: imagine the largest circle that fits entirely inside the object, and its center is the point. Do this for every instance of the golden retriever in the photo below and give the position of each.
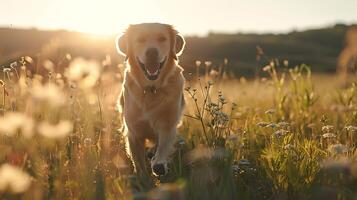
(151, 99)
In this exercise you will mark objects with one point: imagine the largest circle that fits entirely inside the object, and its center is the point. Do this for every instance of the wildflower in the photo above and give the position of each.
(338, 149)
(283, 124)
(6, 70)
(222, 99)
(68, 56)
(13, 65)
(351, 128)
(48, 65)
(107, 61)
(286, 63)
(62, 129)
(212, 105)
(49, 93)
(272, 125)
(13, 121)
(28, 59)
(280, 133)
(270, 111)
(87, 142)
(214, 73)
(221, 119)
(225, 61)
(327, 128)
(84, 73)
(14, 179)
(267, 68)
(329, 135)
(288, 146)
(208, 63)
(262, 124)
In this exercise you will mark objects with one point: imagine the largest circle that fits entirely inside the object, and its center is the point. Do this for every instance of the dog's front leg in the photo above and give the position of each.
(165, 147)
(137, 151)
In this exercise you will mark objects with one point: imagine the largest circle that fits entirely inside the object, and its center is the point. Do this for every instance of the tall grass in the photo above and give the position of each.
(287, 136)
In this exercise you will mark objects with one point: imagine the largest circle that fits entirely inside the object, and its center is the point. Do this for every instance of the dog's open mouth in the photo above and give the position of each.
(151, 70)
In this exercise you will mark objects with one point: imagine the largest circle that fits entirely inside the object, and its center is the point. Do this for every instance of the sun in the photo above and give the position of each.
(107, 16)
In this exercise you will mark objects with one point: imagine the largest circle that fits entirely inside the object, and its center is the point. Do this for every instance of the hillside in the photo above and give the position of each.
(318, 47)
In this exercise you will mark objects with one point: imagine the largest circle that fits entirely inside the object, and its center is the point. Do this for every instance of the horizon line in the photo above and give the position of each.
(207, 33)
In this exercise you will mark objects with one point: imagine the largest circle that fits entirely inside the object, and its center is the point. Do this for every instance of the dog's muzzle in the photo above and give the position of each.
(151, 72)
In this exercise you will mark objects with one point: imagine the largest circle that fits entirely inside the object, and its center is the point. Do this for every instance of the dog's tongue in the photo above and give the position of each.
(152, 67)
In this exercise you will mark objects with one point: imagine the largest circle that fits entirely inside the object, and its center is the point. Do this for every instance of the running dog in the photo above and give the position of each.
(151, 99)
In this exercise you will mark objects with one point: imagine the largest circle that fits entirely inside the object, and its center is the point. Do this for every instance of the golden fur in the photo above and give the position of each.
(151, 109)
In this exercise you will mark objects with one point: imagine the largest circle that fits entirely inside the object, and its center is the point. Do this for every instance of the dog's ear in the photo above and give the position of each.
(122, 44)
(179, 44)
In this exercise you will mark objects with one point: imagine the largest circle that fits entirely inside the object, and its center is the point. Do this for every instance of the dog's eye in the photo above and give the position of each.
(162, 39)
(141, 40)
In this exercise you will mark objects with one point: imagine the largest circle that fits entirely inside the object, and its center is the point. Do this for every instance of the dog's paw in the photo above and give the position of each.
(160, 169)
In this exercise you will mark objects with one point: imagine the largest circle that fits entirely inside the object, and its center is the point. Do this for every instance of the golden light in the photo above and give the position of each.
(104, 17)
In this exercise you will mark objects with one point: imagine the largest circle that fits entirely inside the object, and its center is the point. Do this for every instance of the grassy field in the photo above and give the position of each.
(291, 135)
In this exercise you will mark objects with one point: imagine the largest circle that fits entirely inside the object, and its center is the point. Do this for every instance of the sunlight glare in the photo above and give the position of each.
(108, 16)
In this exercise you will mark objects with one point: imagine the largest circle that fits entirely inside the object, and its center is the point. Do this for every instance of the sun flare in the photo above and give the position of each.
(108, 17)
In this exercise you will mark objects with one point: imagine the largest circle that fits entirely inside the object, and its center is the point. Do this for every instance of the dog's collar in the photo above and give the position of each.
(150, 89)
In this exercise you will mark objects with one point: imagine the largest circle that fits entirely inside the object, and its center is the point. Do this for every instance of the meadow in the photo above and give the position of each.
(288, 135)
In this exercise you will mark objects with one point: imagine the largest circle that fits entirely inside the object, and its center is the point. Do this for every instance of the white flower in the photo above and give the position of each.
(327, 128)
(283, 124)
(13, 65)
(87, 142)
(49, 93)
(288, 146)
(267, 68)
(62, 129)
(14, 179)
(351, 128)
(85, 73)
(329, 135)
(48, 64)
(13, 122)
(280, 133)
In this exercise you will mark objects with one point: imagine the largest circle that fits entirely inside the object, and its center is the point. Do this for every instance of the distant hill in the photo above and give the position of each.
(318, 47)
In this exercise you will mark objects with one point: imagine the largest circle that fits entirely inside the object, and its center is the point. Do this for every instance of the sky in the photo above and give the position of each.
(193, 17)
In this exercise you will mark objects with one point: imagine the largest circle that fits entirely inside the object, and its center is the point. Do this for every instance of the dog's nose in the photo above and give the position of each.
(159, 169)
(152, 53)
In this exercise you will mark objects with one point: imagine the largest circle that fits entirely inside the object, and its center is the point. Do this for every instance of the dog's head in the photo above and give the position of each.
(151, 47)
